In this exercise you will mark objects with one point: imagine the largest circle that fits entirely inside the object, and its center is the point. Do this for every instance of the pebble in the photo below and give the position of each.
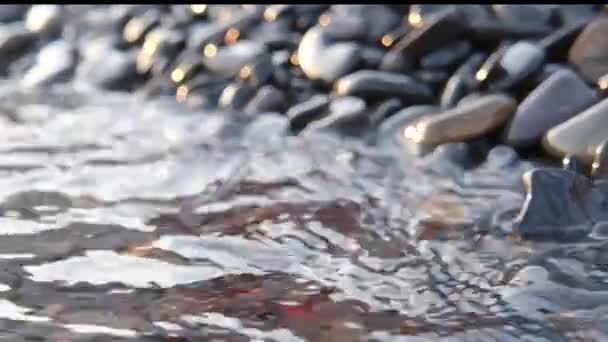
(519, 61)
(301, 114)
(573, 13)
(137, 27)
(560, 205)
(390, 131)
(322, 60)
(236, 96)
(114, 70)
(447, 56)
(560, 97)
(267, 99)
(573, 164)
(384, 109)
(441, 28)
(380, 84)
(46, 20)
(470, 120)
(539, 15)
(580, 135)
(346, 115)
(229, 60)
(589, 53)
(462, 81)
(599, 168)
(558, 43)
(54, 63)
(258, 72)
(396, 62)
(9, 13)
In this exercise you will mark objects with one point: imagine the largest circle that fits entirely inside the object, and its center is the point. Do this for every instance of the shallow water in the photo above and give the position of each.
(132, 220)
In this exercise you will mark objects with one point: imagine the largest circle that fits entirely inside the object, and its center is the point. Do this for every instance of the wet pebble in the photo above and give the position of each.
(384, 109)
(390, 131)
(571, 163)
(346, 115)
(589, 53)
(558, 43)
(469, 120)
(396, 61)
(54, 63)
(267, 99)
(301, 114)
(322, 60)
(236, 96)
(560, 205)
(46, 20)
(379, 84)
(580, 135)
(560, 97)
(462, 81)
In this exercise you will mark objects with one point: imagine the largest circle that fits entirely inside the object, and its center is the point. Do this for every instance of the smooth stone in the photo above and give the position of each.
(390, 131)
(229, 60)
(371, 57)
(558, 43)
(549, 70)
(347, 115)
(573, 13)
(44, 19)
(447, 56)
(257, 73)
(235, 96)
(322, 60)
(519, 61)
(10, 13)
(465, 121)
(278, 12)
(114, 70)
(441, 28)
(436, 78)
(462, 81)
(189, 63)
(54, 63)
(275, 35)
(580, 135)
(267, 99)
(558, 206)
(573, 164)
(589, 53)
(369, 22)
(346, 27)
(500, 157)
(560, 97)
(137, 27)
(384, 109)
(470, 98)
(305, 112)
(599, 168)
(493, 31)
(396, 62)
(380, 84)
(539, 15)
(490, 69)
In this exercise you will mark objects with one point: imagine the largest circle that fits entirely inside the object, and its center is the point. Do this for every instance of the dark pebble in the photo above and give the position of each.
(554, 101)
(379, 84)
(384, 109)
(462, 81)
(488, 32)
(573, 13)
(436, 78)
(589, 53)
(9, 13)
(114, 70)
(342, 27)
(267, 99)
(560, 205)
(347, 115)
(235, 96)
(371, 57)
(572, 163)
(257, 73)
(525, 14)
(440, 29)
(447, 56)
(490, 69)
(303, 113)
(396, 62)
(558, 43)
